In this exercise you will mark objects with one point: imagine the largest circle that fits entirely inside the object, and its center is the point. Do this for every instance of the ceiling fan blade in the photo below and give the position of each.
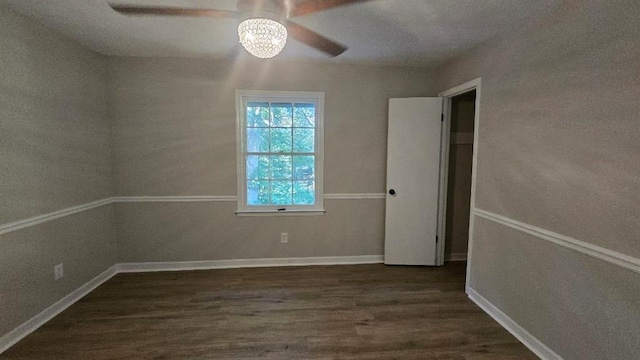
(170, 11)
(304, 7)
(314, 39)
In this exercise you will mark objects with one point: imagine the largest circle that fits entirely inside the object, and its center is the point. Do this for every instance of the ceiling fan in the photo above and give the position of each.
(263, 25)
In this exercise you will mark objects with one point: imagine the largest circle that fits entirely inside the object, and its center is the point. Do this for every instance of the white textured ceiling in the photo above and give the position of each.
(403, 32)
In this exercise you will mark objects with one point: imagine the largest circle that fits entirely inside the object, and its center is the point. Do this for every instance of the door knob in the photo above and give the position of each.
(392, 192)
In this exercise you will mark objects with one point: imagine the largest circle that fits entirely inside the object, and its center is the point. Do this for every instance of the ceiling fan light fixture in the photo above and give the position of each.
(261, 37)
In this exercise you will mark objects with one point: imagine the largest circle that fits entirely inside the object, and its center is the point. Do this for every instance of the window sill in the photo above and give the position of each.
(280, 213)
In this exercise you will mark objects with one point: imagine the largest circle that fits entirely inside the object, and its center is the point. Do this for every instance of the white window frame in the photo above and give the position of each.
(242, 97)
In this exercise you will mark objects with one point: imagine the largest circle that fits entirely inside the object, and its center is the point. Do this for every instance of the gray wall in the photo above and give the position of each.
(175, 133)
(559, 149)
(459, 176)
(56, 153)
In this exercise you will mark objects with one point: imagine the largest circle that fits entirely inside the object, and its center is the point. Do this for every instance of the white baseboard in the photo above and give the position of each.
(455, 257)
(40, 319)
(35, 322)
(531, 342)
(247, 263)
(49, 313)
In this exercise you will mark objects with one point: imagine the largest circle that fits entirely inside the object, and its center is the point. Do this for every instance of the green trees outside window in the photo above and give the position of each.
(280, 147)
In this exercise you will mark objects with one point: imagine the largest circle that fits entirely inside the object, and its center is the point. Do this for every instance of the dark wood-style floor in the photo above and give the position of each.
(320, 312)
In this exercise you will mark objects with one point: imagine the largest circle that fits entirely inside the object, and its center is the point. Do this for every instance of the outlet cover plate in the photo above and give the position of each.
(58, 271)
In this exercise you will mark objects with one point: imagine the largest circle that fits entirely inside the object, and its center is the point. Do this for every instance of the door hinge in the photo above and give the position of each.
(442, 117)
(436, 239)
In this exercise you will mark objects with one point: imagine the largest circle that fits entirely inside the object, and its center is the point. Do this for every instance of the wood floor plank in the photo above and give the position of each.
(353, 312)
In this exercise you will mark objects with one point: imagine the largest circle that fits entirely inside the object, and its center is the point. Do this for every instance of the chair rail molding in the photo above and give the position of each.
(196, 198)
(35, 220)
(355, 196)
(583, 247)
(39, 219)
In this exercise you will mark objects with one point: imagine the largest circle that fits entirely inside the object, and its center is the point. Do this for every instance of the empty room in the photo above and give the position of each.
(320, 179)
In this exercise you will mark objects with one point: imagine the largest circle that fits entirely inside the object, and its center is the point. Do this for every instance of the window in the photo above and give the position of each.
(280, 151)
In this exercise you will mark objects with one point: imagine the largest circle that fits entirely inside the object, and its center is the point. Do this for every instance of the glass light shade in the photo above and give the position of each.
(263, 38)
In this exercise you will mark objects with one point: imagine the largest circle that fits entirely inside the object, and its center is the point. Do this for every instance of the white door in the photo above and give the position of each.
(413, 166)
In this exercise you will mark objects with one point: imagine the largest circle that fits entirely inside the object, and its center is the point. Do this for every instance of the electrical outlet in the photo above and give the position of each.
(58, 271)
(284, 238)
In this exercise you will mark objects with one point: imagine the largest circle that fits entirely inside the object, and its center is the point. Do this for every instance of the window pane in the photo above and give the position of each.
(304, 115)
(258, 140)
(258, 192)
(257, 167)
(281, 114)
(304, 192)
(281, 193)
(280, 146)
(280, 167)
(257, 114)
(303, 140)
(281, 140)
(304, 167)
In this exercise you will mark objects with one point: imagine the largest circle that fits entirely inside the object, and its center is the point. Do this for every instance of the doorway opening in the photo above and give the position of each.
(459, 154)
(456, 237)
